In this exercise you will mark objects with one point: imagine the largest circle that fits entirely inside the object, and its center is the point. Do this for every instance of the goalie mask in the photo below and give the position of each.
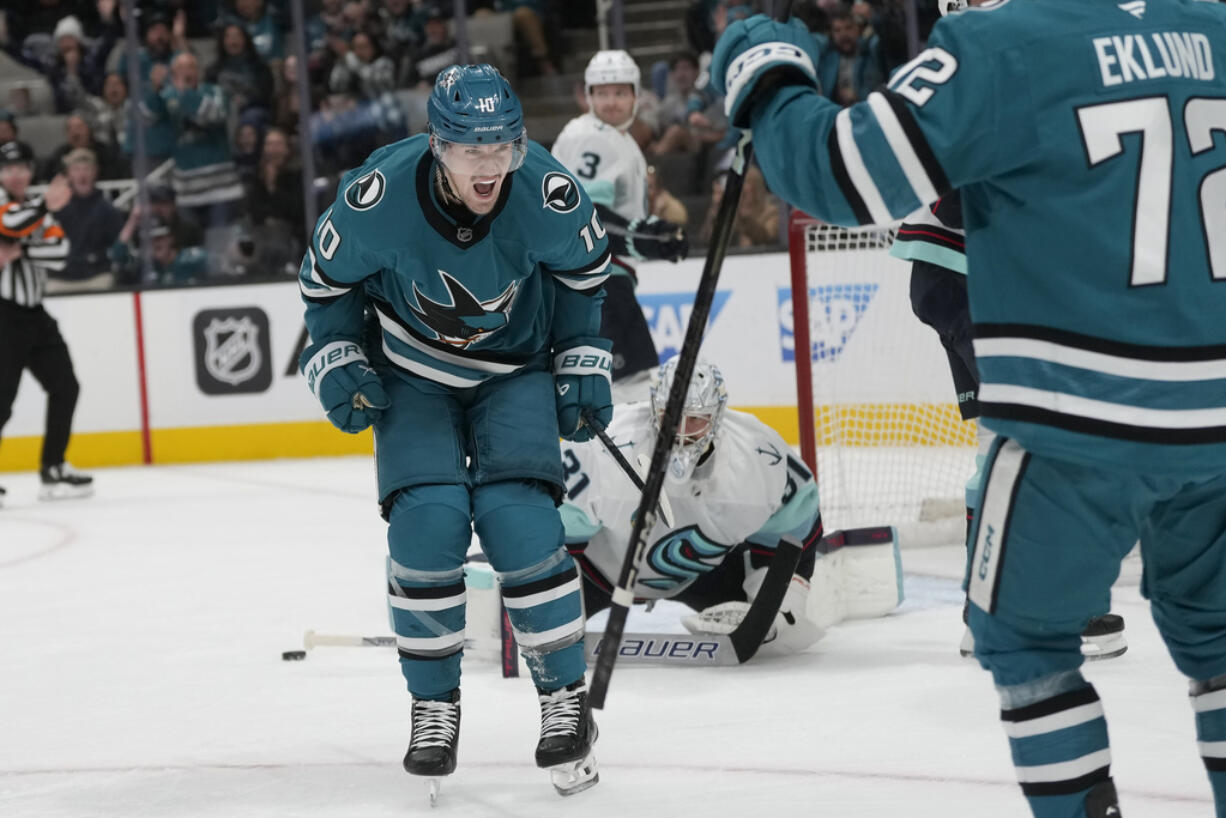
(612, 68)
(700, 415)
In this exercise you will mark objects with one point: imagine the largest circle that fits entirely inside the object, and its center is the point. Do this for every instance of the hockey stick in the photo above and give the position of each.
(644, 518)
(666, 510)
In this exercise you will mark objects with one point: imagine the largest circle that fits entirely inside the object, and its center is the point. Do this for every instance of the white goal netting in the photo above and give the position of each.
(878, 413)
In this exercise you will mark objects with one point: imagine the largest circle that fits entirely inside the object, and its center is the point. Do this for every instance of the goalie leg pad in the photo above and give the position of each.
(428, 535)
(521, 533)
(858, 575)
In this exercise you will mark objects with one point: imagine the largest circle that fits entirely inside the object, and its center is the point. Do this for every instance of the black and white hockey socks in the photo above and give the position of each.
(1061, 753)
(1209, 705)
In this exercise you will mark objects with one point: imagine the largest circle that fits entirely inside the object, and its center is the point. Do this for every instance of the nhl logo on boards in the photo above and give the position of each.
(366, 192)
(560, 192)
(232, 351)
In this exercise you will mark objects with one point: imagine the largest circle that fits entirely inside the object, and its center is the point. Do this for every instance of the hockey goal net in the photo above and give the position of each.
(878, 416)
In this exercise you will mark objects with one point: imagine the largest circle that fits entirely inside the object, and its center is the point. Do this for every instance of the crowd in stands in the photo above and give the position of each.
(213, 94)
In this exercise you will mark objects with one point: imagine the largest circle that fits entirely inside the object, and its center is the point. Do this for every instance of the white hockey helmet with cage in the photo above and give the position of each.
(705, 401)
(614, 67)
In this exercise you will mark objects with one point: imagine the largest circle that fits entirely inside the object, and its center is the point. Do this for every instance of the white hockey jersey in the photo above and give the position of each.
(607, 162)
(752, 488)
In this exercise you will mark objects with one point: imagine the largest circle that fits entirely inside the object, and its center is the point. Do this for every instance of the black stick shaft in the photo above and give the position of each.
(645, 517)
(613, 451)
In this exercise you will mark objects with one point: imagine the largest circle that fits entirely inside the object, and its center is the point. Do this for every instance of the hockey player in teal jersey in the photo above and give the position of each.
(1088, 141)
(453, 296)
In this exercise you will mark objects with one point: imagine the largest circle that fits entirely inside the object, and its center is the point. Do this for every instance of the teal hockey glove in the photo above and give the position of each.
(345, 383)
(756, 56)
(582, 375)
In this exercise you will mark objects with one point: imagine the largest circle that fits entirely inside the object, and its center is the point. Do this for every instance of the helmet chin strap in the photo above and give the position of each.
(444, 189)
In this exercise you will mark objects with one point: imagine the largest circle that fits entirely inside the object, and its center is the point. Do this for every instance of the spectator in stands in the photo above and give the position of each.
(163, 209)
(262, 25)
(286, 114)
(9, 129)
(240, 71)
(329, 22)
(161, 44)
(437, 49)
(78, 134)
(170, 265)
(401, 35)
(274, 193)
(849, 66)
(529, 18)
(661, 203)
(79, 65)
(247, 140)
(674, 133)
(91, 223)
(757, 216)
(112, 113)
(204, 177)
(362, 69)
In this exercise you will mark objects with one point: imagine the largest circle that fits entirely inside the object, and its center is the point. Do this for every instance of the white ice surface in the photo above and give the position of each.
(140, 676)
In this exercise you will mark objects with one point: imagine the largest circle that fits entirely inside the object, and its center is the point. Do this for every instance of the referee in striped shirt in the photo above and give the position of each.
(31, 243)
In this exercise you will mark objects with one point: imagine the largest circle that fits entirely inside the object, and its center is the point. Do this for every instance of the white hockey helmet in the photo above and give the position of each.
(950, 6)
(614, 67)
(705, 401)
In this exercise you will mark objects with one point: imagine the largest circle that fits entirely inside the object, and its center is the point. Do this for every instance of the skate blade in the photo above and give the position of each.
(433, 786)
(1097, 648)
(64, 492)
(575, 776)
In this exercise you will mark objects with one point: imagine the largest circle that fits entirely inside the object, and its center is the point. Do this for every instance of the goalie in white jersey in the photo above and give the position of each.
(733, 489)
(598, 149)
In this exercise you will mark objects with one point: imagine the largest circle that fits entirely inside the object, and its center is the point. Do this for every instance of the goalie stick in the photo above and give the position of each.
(666, 510)
(644, 519)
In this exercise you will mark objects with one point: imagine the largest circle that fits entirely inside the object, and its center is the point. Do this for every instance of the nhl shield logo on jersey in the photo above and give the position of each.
(367, 191)
(466, 320)
(560, 192)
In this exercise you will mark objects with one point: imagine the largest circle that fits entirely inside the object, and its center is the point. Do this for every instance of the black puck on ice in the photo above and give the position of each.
(293, 655)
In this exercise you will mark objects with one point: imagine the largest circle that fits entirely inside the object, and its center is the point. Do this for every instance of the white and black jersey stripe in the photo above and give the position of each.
(23, 281)
(885, 117)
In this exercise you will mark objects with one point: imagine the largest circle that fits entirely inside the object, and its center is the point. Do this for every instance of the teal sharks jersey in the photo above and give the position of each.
(1088, 141)
(458, 302)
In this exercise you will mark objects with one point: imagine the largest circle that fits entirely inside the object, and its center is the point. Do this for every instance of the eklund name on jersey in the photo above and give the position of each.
(1132, 57)
(560, 192)
(367, 191)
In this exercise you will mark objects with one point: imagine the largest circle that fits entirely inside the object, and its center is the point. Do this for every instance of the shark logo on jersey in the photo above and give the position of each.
(835, 311)
(560, 192)
(466, 320)
(680, 557)
(367, 191)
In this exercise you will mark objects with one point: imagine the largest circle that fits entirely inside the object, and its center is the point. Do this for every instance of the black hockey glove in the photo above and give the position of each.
(653, 237)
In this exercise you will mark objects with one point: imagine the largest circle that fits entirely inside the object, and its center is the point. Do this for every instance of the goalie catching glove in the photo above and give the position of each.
(792, 631)
(756, 56)
(345, 383)
(582, 381)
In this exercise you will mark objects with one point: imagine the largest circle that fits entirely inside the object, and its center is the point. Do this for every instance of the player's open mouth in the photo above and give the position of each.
(485, 189)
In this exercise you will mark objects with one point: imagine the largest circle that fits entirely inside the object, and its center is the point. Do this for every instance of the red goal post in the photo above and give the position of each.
(877, 411)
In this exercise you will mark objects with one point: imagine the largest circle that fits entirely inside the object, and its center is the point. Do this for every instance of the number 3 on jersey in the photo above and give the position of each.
(1102, 126)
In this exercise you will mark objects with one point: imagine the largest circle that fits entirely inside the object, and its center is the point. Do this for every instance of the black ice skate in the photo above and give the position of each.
(436, 735)
(63, 482)
(2, 493)
(1104, 638)
(568, 732)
